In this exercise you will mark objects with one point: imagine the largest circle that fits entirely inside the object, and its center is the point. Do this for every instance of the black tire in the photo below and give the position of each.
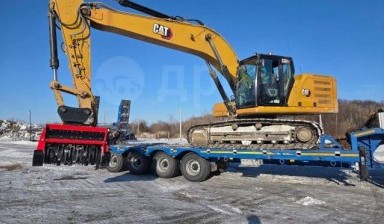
(165, 166)
(117, 163)
(195, 168)
(137, 163)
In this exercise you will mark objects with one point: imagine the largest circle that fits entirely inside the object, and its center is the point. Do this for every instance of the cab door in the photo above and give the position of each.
(275, 78)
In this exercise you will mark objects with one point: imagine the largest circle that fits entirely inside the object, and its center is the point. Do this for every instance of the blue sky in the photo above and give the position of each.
(339, 38)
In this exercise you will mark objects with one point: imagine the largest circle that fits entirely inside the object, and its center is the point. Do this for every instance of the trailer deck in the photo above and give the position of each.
(331, 154)
(360, 155)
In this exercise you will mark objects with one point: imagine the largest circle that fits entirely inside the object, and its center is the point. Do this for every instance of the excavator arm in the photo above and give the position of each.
(76, 19)
(76, 44)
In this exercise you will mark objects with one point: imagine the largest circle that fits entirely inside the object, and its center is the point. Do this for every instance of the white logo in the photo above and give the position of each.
(306, 92)
(163, 31)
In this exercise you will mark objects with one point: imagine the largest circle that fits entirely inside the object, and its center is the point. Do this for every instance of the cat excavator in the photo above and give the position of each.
(264, 86)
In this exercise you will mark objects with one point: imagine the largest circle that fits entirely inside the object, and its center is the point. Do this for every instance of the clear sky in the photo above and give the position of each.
(342, 38)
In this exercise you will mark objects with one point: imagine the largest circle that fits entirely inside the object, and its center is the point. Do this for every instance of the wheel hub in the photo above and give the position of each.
(163, 165)
(193, 168)
(136, 163)
(113, 161)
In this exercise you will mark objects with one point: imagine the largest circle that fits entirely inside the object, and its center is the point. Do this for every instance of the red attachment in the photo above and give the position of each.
(73, 134)
(41, 143)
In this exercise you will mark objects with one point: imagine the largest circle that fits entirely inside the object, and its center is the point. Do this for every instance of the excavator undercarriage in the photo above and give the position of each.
(257, 133)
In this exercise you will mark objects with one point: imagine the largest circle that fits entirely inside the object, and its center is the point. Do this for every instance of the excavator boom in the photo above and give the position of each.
(77, 18)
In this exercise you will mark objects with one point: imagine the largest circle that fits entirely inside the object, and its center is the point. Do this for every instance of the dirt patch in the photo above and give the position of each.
(70, 178)
(11, 167)
(185, 197)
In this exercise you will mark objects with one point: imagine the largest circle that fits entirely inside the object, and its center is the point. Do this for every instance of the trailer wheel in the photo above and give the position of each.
(164, 165)
(137, 163)
(195, 168)
(116, 163)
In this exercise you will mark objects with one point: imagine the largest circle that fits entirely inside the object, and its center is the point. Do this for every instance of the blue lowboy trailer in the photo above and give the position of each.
(197, 163)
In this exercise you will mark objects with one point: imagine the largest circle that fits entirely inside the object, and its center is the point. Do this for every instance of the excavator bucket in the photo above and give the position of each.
(71, 144)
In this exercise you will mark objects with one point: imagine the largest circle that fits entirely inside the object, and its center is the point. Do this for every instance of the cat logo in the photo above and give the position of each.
(163, 31)
(306, 92)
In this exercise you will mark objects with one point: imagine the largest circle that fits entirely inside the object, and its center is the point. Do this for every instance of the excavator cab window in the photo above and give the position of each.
(245, 95)
(275, 80)
(264, 80)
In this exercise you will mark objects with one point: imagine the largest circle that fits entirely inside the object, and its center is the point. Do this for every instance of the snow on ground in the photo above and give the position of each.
(310, 201)
(9, 140)
(172, 141)
(263, 194)
(19, 130)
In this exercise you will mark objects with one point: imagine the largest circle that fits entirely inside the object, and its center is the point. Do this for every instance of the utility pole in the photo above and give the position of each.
(30, 125)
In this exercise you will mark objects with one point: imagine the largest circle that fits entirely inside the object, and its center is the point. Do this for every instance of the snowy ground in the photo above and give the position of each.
(268, 194)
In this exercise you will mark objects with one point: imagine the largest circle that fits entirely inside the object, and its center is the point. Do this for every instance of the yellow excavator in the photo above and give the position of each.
(264, 86)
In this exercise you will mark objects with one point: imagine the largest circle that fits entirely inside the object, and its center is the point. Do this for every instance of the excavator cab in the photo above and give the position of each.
(264, 80)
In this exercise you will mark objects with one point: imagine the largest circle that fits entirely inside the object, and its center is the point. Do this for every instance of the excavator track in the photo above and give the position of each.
(257, 133)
